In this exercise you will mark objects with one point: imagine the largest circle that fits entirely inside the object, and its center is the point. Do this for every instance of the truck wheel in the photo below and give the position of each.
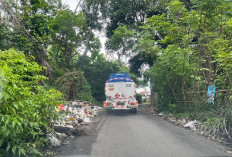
(107, 111)
(134, 110)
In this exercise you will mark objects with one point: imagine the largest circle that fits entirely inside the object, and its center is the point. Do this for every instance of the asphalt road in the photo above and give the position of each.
(139, 135)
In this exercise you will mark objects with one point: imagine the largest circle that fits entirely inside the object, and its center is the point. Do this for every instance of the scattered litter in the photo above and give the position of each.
(191, 125)
(172, 119)
(61, 135)
(72, 137)
(49, 153)
(66, 143)
(87, 120)
(55, 142)
(161, 114)
(183, 121)
(229, 152)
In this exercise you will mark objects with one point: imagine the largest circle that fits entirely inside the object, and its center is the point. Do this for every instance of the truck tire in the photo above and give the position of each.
(107, 111)
(134, 110)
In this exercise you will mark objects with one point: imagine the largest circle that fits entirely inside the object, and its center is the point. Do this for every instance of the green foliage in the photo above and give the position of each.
(124, 17)
(65, 39)
(4, 35)
(139, 98)
(121, 42)
(191, 49)
(138, 61)
(70, 35)
(26, 107)
(120, 12)
(185, 43)
(97, 72)
(32, 29)
(171, 73)
(121, 35)
(179, 110)
(74, 86)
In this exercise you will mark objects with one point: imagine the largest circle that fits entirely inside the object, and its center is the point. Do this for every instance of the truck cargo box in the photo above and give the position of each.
(120, 93)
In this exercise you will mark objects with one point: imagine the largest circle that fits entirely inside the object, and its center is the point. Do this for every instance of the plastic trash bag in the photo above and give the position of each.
(191, 125)
(54, 141)
(87, 120)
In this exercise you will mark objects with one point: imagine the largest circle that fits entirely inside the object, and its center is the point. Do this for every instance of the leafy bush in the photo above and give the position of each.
(75, 86)
(26, 108)
(139, 98)
(97, 72)
(178, 108)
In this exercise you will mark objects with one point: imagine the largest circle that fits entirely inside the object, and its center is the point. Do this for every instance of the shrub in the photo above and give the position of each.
(139, 98)
(75, 86)
(26, 108)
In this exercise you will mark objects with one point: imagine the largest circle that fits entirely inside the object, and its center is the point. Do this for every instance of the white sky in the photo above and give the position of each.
(71, 3)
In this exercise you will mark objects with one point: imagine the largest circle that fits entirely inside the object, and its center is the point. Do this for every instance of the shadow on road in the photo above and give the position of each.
(119, 113)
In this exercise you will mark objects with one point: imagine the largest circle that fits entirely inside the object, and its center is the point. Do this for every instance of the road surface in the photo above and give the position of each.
(140, 135)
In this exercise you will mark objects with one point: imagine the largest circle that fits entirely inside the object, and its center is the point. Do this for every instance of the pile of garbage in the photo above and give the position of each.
(76, 112)
(182, 122)
(74, 116)
(187, 123)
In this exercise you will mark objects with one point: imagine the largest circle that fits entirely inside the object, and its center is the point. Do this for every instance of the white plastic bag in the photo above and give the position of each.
(87, 120)
(191, 125)
(54, 141)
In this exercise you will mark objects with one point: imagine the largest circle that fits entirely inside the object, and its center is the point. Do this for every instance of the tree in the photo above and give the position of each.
(122, 42)
(198, 30)
(30, 27)
(75, 86)
(123, 21)
(97, 72)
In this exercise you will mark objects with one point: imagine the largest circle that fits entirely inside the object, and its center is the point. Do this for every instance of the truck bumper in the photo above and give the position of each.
(115, 106)
(119, 107)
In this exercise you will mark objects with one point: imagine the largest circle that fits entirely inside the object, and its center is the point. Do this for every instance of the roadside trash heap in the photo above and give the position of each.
(74, 117)
(182, 122)
(188, 124)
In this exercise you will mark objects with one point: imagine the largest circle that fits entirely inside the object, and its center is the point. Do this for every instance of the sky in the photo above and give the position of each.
(71, 3)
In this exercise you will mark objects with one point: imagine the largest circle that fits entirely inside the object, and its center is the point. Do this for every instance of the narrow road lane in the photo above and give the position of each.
(129, 135)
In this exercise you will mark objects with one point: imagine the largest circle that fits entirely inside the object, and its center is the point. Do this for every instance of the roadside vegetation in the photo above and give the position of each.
(187, 47)
(27, 107)
(194, 43)
(50, 54)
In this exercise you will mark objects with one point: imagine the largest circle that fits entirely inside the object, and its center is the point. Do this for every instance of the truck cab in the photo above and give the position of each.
(120, 91)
